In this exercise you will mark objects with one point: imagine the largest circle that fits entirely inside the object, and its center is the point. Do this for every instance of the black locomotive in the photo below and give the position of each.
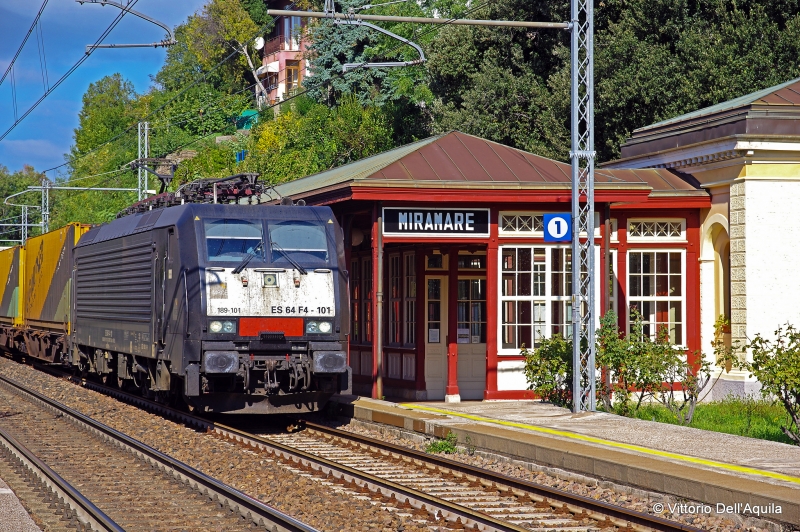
(231, 307)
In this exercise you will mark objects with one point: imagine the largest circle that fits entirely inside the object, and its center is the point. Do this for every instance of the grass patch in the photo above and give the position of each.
(743, 416)
(446, 445)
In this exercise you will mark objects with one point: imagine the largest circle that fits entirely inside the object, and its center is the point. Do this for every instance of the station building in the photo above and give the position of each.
(746, 154)
(450, 275)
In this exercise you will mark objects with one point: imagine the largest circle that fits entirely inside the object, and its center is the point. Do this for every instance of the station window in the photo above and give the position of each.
(666, 229)
(535, 295)
(355, 296)
(410, 300)
(656, 288)
(366, 299)
(472, 310)
(393, 331)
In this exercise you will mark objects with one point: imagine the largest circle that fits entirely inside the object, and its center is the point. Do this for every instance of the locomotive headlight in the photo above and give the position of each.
(315, 327)
(228, 327)
(215, 326)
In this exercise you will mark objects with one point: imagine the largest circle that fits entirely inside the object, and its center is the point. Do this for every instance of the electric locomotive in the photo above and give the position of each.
(237, 308)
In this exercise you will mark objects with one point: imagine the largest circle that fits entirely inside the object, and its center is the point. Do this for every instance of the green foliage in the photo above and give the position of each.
(307, 137)
(653, 61)
(548, 369)
(776, 365)
(448, 445)
(222, 27)
(743, 416)
(633, 369)
(11, 183)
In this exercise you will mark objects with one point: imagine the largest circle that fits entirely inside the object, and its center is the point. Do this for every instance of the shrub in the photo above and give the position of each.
(548, 369)
(776, 364)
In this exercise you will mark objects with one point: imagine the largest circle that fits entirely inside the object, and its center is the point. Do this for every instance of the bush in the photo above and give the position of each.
(655, 369)
(776, 364)
(548, 370)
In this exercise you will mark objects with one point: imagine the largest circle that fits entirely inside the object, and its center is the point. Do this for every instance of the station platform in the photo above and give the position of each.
(13, 516)
(686, 463)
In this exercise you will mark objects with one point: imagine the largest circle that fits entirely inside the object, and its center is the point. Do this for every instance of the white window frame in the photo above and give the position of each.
(548, 299)
(638, 239)
(535, 234)
(629, 297)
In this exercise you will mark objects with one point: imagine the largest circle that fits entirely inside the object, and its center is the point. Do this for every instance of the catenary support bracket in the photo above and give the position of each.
(169, 41)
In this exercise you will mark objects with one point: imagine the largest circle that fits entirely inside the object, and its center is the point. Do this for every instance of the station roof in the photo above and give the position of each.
(774, 111)
(458, 160)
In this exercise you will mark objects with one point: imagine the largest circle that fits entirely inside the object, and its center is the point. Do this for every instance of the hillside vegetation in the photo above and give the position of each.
(654, 60)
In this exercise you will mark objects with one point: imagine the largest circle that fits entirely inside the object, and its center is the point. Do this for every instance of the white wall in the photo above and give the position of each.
(772, 232)
(511, 375)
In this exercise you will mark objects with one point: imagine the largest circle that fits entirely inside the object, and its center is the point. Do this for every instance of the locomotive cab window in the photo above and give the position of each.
(299, 239)
(229, 239)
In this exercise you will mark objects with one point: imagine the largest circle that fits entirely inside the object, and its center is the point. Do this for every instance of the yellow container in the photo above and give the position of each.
(47, 278)
(9, 286)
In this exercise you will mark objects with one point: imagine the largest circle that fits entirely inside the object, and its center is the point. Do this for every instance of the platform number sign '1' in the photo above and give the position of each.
(558, 227)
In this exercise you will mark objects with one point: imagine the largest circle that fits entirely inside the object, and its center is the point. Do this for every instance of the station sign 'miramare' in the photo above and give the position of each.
(414, 221)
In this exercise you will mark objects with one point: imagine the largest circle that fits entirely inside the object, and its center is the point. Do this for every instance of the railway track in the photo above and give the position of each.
(446, 493)
(99, 479)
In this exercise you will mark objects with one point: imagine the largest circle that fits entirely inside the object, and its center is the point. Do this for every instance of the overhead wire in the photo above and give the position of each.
(203, 76)
(25, 40)
(69, 72)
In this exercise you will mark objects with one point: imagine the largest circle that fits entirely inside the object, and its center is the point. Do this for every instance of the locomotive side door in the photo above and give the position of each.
(173, 312)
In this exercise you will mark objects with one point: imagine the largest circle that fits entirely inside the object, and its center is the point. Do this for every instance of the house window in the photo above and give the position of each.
(292, 75)
(472, 310)
(535, 295)
(410, 300)
(393, 331)
(656, 288)
(656, 229)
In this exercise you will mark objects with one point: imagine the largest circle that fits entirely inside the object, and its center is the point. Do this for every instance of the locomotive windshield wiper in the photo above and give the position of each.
(274, 245)
(248, 258)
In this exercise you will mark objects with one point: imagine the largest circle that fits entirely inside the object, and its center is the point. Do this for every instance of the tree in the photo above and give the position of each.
(224, 26)
(653, 61)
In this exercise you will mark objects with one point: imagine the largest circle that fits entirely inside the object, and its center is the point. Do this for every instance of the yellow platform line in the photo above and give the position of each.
(609, 443)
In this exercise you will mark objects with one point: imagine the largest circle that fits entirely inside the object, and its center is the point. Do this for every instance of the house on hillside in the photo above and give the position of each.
(283, 66)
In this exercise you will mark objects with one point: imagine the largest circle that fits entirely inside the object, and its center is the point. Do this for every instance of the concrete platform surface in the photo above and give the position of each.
(13, 517)
(684, 462)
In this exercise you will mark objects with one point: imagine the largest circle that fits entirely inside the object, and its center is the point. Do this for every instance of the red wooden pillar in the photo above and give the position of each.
(377, 304)
(451, 390)
(492, 304)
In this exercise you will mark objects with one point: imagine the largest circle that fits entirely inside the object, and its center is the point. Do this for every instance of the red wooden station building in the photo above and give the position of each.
(450, 274)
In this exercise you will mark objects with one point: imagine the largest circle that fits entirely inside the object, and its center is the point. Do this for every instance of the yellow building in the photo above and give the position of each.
(746, 153)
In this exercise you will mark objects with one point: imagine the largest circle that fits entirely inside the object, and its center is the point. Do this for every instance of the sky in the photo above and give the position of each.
(42, 139)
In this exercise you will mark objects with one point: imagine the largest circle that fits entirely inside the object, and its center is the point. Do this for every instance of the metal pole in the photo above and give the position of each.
(146, 154)
(24, 223)
(45, 188)
(582, 156)
(139, 171)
